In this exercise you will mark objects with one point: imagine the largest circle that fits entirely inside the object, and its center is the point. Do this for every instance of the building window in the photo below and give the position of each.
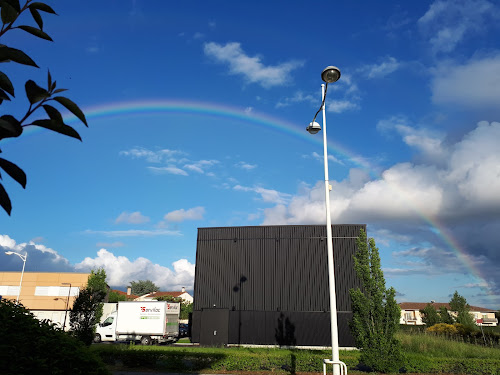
(56, 291)
(9, 290)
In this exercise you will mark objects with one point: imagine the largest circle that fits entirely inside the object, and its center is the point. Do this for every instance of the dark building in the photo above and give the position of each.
(268, 285)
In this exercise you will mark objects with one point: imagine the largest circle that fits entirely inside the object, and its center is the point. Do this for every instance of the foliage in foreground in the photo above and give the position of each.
(30, 346)
(375, 311)
(38, 97)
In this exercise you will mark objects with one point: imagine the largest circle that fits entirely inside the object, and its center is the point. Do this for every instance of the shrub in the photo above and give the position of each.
(31, 346)
(443, 329)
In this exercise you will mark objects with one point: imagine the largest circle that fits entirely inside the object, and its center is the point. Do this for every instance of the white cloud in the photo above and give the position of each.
(120, 271)
(251, 67)
(428, 143)
(339, 106)
(169, 170)
(448, 22)
(460, 192)
(474, 84)
(195, 213)
(298, 97)
(386, 67)
(246, 166)
(267, 195)
(132, 218)
(110, 244)
(151, 156)
(134, 233)
(200, 165)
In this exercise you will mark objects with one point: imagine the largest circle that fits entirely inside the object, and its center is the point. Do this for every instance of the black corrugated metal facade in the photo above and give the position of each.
(269, 284)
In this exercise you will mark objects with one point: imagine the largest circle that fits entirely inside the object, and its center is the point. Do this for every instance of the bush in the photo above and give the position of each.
(443, 329)
(31, 346)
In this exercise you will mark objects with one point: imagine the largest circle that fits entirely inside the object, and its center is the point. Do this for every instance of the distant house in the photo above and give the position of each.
(185, 296)
(410, 313)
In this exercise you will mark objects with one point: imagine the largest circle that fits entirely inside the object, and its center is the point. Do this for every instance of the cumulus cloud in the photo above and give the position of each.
(120, 271)
(461, 193)
(249, 67)
(447, 22)
(132, 218)
(195, 213)
(473, 84)
(39, 257)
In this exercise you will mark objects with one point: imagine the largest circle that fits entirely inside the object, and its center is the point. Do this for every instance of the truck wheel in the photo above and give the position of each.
(97, 338)
(146, 340)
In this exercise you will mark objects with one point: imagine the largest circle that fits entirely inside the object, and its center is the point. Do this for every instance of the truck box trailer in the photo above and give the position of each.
(144, 321)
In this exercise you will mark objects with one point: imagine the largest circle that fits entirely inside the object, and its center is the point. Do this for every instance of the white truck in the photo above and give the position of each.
(144, 321)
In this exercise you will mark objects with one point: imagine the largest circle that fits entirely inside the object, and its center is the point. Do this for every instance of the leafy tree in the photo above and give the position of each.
(31, 346)
(38, 97)
(186, 307)
(87, 308)
(142, 287)
(375, 311)
(430, 316)
(445, 316)
(459, 304)
(115, 297)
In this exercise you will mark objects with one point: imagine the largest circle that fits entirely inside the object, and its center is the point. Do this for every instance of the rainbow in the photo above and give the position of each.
(119, 109)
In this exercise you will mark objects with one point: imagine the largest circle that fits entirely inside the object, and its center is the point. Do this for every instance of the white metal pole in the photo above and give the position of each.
(22, 274)
(331, 271)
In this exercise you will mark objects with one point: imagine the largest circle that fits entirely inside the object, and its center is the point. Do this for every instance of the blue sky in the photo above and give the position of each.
(197, 115)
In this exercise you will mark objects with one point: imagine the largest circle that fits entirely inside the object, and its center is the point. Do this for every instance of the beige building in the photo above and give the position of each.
(48, 295)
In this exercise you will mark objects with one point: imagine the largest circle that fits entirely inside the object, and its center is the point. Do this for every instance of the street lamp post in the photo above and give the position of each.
(67, 305)
(23, 257)
(329, 75)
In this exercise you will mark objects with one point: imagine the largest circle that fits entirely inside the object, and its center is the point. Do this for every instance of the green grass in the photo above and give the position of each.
(425, 354)
(438, 347)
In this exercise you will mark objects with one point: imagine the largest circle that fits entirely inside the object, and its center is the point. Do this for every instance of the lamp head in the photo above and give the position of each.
(9, 252)
(330, 74)
(313, 127)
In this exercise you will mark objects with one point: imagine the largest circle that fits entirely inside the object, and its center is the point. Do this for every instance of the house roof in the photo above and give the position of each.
(123, 293)
(437, 306)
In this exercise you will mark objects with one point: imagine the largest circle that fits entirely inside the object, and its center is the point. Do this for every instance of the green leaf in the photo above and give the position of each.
(6, 84)
(53, 113)
(59, 90)
(34, 92)
(14, 4)
(9, 13)
(36, 32)
(11, 54)
(72, 107)
(43, 7)
(3, 95)
(9, 127)
(5, 200)
(14, 171)
(57, 127)
(37, 17)
(49, 80)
